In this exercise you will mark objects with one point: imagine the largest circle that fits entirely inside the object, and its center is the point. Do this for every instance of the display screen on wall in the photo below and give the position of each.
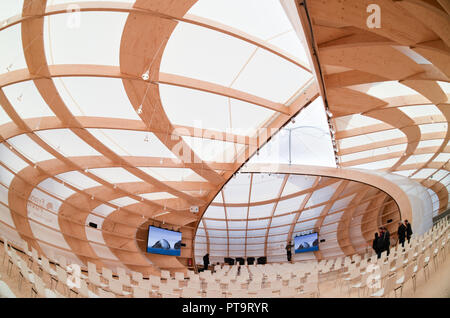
(306, 243)
(162, 241)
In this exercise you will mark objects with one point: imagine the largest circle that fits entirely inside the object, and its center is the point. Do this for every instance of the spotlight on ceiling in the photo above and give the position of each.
(139, 111)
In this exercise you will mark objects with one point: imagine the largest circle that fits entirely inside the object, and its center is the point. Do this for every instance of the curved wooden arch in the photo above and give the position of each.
(98, 6)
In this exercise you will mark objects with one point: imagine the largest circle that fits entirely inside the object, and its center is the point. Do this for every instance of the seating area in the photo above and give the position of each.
(354, 276)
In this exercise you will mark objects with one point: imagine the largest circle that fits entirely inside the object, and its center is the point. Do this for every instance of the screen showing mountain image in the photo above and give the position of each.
(306, 243)
(162, 241)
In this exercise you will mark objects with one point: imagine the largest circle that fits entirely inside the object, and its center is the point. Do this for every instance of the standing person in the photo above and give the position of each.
(387, 240)
(205, 262)
(288, 251)
(380, 241)
(409, 231)
(375, 246)
(401, 232)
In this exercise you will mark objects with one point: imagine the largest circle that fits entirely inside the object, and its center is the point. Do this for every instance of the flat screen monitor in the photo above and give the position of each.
(306, 243)
(162, 241)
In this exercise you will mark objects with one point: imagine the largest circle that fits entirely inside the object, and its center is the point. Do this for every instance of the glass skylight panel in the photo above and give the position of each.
(355, 121)
(418, 158)
(56, 188)
(424, 173)
(194, 108)
(103, 210)
(370, 138)
(289, 42)
(253, 233)
(115, 175)
(47, 235)
(258, 224)
(10, 159)
(281, 220)
(444, 86)
(303, 226)
(277, 234)
(382, 164)
(430, 143)
(78, 180)
(342, 203)
(323, 195)
(214, 240)
(10, 8)
(207, 55)
(390, 89)
(157, 196)
(30, 149)
(96, 96)
(246, 117)
(265, 187)
(439, 175)
(6, 177)
(67, 143)
(374, 152)
(311, 213)
(332, 218)
(235, 233)
(234, 213)
(262, 76)
(123, 201)
(260, 211)
(237, 190)
(213, 150)
(132, 143)
(261, 18)
(253, 240)
(214, 225)
(215, 212)
(5, 216)
(442, 157)
(432, 128)
(289, 205)
(218, 233)
(405, 173)
(238, 225)
(26, 100)
(297, 183)
(3, 195)
(172, 174)
(12, 57)
(420, 110)
(84, 37)
(4, 118)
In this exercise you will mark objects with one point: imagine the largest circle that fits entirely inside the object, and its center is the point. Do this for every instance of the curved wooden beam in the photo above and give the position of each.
(103, 6)
(108, 71)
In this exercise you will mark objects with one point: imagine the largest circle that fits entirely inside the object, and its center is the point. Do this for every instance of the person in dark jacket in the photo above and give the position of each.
(375, 245)
(380, 242)
(387, 240)
(288, 251)
(205, 262)
(401, 232)
(409, 231)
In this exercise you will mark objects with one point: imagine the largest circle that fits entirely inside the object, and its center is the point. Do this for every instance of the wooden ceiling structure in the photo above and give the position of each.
(410, 48)
(140, 47)
(349, 54)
